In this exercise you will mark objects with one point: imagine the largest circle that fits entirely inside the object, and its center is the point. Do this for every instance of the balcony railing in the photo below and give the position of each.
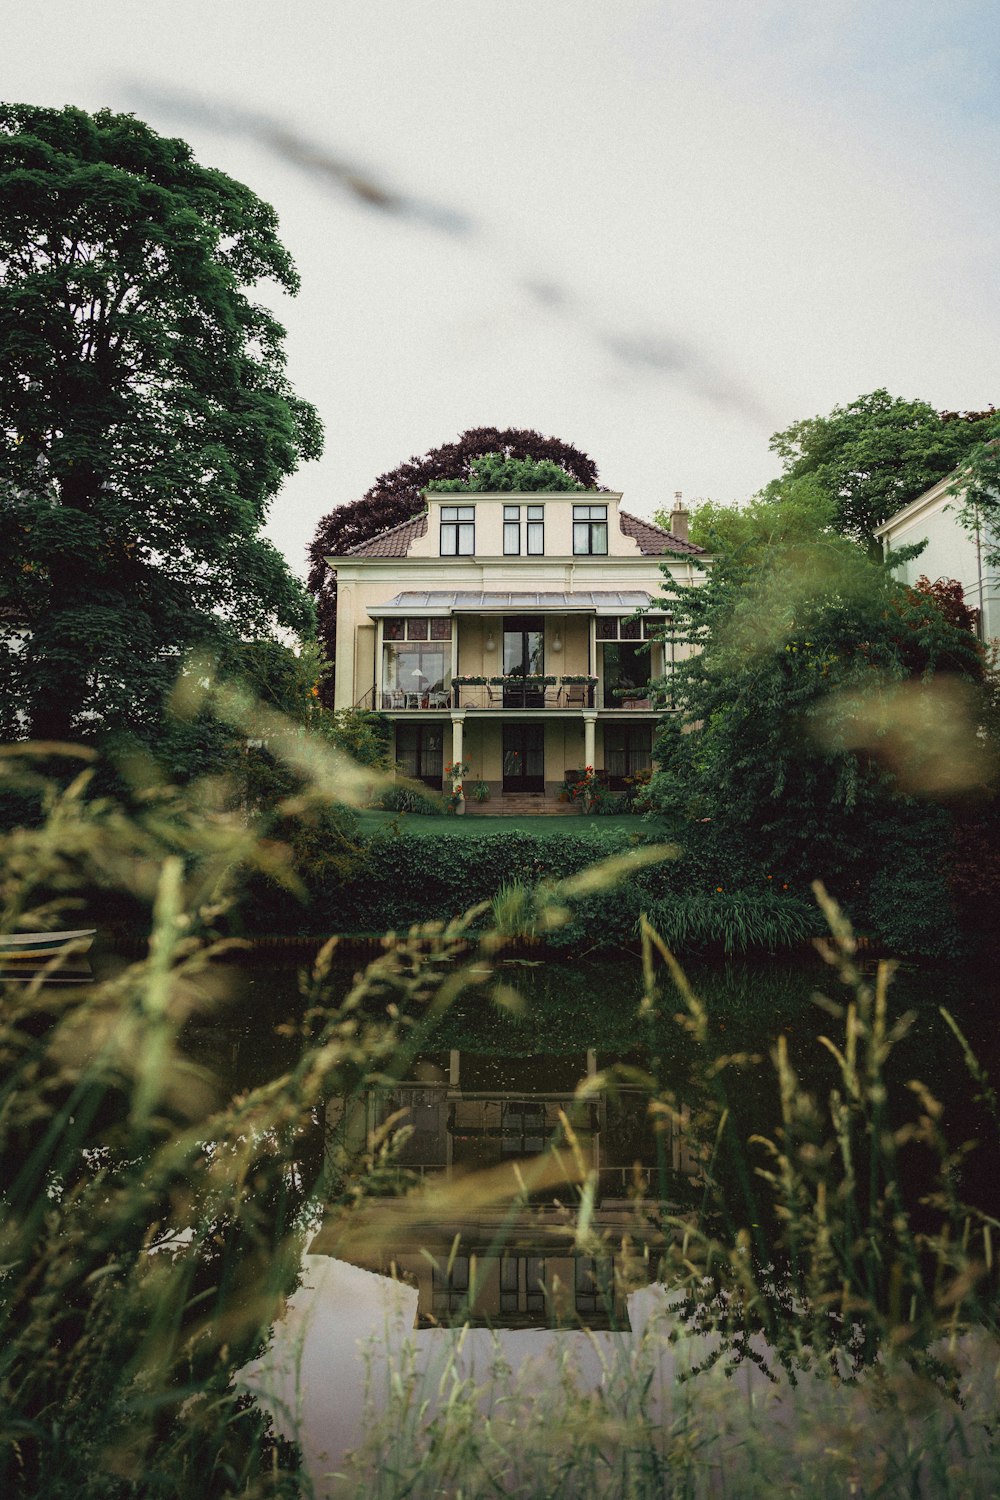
(507, 692)
(492, 693)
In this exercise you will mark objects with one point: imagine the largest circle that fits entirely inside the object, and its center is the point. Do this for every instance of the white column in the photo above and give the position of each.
(589, 738)
(457, 723)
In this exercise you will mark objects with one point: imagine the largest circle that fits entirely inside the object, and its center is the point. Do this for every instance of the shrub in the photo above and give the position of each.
(407, 799)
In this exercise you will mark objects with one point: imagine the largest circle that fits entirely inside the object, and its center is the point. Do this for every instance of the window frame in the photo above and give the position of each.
(535, 531)
(512, 523)
(590, 523)
(458, 522)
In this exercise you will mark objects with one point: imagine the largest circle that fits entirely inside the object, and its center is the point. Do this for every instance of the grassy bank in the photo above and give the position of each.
(475, 825)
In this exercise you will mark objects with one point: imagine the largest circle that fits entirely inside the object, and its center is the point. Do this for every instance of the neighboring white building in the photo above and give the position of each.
(524, 592)
(952, 550)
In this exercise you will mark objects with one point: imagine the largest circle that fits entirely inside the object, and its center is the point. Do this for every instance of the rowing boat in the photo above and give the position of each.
(15, 946)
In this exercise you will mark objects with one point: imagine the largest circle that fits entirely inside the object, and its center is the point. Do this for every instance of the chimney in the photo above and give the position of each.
(679, 518)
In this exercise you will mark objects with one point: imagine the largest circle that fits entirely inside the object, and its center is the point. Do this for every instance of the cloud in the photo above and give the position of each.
(648, 350)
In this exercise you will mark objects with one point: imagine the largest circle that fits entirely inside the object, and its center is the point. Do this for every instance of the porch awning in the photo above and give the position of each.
(449, 602)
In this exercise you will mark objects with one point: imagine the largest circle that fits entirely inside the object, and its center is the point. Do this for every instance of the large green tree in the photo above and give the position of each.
(875, 455)
(145, 419)
(829, 716)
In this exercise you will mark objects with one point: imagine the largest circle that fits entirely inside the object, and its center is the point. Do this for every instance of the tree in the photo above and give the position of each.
(830, 713)
(875, 455)
(496, 474)
(800, 513)
(396, 497)
(976, 489)
(145, 418)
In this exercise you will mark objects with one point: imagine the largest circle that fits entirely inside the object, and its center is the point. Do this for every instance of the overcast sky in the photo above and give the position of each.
(657, 230)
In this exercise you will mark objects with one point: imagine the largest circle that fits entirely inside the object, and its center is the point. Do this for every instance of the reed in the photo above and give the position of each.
(812, 1323)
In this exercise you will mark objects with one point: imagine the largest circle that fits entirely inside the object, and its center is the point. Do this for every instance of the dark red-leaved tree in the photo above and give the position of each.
(395, 497)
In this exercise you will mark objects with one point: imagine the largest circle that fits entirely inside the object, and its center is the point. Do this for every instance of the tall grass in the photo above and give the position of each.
(151, 1228)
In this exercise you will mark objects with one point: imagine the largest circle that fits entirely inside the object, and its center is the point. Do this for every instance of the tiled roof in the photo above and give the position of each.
(392, 543)
(653, 540)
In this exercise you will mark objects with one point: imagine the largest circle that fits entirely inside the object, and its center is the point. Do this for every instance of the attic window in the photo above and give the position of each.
(590, 530)
(458, 530)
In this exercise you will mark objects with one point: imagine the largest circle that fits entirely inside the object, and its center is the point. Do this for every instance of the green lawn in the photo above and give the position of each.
(432, 825)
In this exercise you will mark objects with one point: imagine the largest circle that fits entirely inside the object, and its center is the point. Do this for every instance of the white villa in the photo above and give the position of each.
(500, 631)
(952, 551)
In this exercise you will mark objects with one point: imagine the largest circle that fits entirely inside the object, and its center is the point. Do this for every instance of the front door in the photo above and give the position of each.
(523, 758)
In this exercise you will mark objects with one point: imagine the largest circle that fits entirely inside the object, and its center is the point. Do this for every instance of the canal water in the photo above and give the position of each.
(556, 1062)
(523, 1112)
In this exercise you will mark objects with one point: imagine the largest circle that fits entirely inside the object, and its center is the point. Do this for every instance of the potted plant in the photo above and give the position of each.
(454, 771)
(579, 679)
(531, 680)
(481, 791)
(468, 681)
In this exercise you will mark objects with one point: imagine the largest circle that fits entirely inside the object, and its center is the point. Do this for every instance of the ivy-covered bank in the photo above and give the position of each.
(710, 890)
(696, 896)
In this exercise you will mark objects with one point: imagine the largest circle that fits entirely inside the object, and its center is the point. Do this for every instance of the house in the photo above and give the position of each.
(501, 631)
(952, 550)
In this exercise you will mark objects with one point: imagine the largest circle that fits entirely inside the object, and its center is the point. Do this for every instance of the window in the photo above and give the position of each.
(590, 530)
(450, 1286)
(420, 752)
(511, 530)
(626, 673)
(435, 628)
(628, 750)
(522, 1284)
(416, 674)
(534, 530)
(628, 627)
(458, 530)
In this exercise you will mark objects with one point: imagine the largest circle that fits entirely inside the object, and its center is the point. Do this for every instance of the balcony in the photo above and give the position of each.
(524, 692)
(485, 694)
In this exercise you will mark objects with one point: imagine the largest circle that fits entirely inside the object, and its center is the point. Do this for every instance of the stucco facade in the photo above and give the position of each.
(952, 550)
(457, 594)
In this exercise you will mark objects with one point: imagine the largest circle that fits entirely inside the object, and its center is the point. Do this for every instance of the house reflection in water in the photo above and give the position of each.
(522, 1267)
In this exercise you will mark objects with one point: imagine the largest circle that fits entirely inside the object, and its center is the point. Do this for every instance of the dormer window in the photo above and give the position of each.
(534, 530)
(590, 530)
(458, 530)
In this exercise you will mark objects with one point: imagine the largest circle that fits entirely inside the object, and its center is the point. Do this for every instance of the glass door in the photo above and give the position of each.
(628, 749)
(523, 758)
(523, 657)
(420, 752)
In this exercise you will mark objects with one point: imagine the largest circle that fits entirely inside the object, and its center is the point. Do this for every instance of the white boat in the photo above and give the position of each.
(15, 946)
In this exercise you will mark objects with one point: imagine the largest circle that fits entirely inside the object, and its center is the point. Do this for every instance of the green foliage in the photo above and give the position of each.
(145, 419)
(977, 494)
(821, 712)
(152, 1224)
(366, 737)
(407, 797)
(736, 921)
(875, 455)
(152, 1227)
(497, 472)
(794, 512)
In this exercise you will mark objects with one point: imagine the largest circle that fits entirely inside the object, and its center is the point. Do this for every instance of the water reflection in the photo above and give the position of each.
(24, 971)
(523, 1266)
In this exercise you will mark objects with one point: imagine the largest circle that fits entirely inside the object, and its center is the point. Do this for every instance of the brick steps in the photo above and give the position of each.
(522, 805)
